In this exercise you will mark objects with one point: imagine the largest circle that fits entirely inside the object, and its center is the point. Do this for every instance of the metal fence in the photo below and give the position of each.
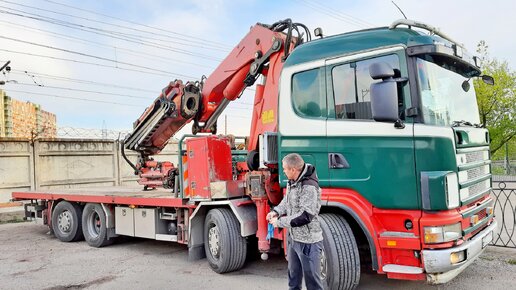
(86, 133)
(504, 192)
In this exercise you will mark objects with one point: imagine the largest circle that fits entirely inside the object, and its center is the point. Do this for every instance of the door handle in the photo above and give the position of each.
(337, 161)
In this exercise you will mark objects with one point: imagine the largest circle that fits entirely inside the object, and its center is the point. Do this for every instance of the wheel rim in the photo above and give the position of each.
(214, 241)
(324, 266)
(64, 221)
(94, 224)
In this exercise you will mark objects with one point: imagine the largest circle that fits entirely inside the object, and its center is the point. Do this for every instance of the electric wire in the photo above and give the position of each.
(151, 71)
(337, 15)
(76, 90)
(144, 55)
(72, 80)
(189, 43)
(189, 37)
(103, 32)
(73, 98)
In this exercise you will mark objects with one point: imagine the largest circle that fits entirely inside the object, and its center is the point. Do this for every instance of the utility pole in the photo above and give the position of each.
(7, 68)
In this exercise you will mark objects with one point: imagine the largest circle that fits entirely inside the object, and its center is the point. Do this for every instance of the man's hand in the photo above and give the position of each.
(274, 222)
(271, 215)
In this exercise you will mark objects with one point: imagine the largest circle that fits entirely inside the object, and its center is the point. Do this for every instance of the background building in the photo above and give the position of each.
(25, 120)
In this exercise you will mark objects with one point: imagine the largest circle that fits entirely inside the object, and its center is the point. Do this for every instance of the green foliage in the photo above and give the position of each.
(507, 151)
(497, 104)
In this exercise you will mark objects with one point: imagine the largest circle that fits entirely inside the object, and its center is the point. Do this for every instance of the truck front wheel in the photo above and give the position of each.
(94, 226)
(340, 261)
(225, 248)
(66, 222)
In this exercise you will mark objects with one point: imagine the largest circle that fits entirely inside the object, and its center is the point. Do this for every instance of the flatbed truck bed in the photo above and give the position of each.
(126, 195)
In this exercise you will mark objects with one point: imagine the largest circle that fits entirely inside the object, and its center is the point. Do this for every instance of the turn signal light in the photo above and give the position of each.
(474, 219)
(489, 210)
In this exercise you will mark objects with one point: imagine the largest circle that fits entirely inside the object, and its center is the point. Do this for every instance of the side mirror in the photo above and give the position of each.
(384, 94)
(488, 80)
(381, 70)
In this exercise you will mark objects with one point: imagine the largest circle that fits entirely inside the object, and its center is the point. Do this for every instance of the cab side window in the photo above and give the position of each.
(309, 93)
(351, 83)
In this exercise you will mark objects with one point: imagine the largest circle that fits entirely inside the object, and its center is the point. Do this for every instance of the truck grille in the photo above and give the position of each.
(477, 188)
(474, 184)
(474, 156)
(474, 173)
(482, 214)
(477, 172)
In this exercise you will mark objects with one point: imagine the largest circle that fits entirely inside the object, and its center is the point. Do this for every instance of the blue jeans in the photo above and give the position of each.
(304, 260)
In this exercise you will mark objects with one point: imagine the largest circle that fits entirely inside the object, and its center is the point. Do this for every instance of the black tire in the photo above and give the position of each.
(340, 259)
(66, 222)
(225, 248)
(253, 161)
(94, 226)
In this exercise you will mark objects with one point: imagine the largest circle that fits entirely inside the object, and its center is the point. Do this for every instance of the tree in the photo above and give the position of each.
(496, 104)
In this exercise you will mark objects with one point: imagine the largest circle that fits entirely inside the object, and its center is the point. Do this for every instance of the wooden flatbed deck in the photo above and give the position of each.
(113, 194)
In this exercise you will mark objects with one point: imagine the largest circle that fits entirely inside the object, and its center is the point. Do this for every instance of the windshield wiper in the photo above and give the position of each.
(465, 123)
(461, 123)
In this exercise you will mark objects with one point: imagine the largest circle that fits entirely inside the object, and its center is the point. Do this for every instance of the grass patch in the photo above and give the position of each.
(13, 221)
(512, 261)
(487, 258)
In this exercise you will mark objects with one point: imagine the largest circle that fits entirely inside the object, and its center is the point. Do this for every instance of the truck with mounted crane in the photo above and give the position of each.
(387, 117)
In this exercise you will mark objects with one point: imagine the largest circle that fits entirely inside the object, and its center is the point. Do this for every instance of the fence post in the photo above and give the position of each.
(35, 164)
(117, 162)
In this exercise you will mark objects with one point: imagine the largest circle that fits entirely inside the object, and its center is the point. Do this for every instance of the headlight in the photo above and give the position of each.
(452, 190)
(442, 234)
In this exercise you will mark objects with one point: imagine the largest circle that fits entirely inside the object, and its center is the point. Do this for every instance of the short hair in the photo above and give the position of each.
(294, 160)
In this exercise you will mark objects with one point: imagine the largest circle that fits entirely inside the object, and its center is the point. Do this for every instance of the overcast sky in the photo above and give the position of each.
(73, 52)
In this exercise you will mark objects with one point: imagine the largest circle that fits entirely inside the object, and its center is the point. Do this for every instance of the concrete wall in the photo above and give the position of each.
(16, 167)
(66, 163)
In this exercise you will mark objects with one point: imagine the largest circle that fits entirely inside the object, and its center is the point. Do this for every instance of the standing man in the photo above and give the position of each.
(298, 211)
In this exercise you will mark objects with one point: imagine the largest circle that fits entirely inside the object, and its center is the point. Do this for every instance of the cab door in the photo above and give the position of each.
(302, 117)
(374, 159)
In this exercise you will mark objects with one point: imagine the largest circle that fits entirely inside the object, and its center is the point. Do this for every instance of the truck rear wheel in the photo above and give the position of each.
(225, 248)
(66, 222)
(94, 226)
(340, 261)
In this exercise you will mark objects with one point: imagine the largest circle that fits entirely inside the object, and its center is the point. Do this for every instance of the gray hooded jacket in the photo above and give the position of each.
(299, 209)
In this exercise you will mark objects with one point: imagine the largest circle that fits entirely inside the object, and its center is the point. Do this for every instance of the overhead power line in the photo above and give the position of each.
(73, 98)
(97, 64)
(104, 32)
(80, 81)
(76, 90)
(91, 56)
(189, 42)
(140, 24)
(140, 54)
(335, 14)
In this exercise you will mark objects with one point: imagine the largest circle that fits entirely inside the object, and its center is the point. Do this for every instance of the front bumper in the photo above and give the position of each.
(437, 263)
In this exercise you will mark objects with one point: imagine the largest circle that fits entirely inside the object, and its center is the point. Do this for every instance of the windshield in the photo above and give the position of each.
(443, 99)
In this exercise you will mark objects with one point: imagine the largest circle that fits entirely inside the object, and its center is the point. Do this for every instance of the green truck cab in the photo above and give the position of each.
(389, 118)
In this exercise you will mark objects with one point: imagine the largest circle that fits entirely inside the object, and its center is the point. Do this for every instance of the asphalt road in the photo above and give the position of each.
(32, 259)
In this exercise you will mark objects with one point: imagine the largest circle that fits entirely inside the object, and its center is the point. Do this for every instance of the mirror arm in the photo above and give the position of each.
(400, 80)
(399, 124)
